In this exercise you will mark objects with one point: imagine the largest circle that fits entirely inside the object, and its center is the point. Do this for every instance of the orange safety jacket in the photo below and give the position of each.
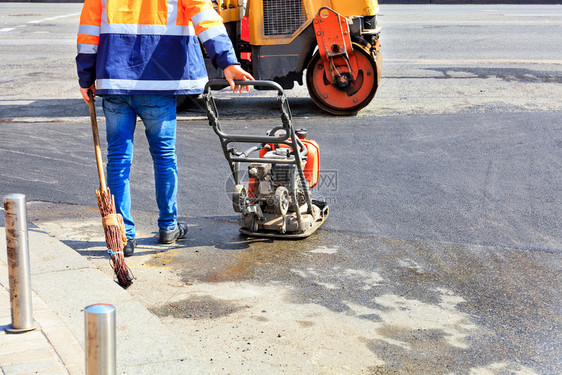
(149, 46)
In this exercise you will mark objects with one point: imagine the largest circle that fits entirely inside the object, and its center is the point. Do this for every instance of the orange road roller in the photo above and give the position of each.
(335, 41)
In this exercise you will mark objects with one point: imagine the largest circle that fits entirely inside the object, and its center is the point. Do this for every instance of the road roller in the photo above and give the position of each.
(336, 42)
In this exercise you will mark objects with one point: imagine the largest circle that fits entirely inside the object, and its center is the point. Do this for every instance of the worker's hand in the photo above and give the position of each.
(84, 93)
(235, 72)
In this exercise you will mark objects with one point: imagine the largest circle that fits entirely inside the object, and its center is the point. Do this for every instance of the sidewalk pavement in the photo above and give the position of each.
(63, 284)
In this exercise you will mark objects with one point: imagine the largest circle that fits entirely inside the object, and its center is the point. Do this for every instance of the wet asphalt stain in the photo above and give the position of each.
(300, 106)
(420, 358)
(201, 307)
(466, 306)
(511, 75)
(433, 307)
(519, 75)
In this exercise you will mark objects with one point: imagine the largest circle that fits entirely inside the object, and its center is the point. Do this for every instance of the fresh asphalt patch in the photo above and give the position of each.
(404, 306)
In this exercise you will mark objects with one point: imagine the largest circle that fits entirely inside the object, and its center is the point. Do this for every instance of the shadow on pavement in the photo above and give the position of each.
(229, 106)
(11, 110)
(248, 105)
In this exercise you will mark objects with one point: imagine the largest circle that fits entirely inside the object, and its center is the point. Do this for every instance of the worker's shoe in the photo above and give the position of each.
(129, 248)
(168, 236)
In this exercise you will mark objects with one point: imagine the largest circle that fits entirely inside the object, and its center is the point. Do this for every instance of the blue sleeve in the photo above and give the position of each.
(86, 66)
(220, 51)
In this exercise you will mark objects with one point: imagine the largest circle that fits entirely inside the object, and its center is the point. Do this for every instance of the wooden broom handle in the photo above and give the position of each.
(95, 134)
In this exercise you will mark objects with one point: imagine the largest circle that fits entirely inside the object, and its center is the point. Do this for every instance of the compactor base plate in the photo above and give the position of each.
(292, 235)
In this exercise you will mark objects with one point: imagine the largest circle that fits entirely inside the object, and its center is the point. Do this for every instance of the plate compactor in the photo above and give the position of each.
(282, 166)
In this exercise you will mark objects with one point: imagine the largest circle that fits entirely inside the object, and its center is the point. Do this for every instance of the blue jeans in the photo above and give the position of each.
(158, 113)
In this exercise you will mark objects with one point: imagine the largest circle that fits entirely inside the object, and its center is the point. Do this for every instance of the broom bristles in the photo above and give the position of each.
(117, 260)
(114, 235)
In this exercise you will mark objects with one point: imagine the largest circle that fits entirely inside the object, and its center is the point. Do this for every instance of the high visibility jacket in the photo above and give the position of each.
(149, 46)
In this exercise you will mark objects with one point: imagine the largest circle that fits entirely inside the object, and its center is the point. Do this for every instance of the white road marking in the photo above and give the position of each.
(6, 29)
(533, 15)
(37, 42)
(54, 18)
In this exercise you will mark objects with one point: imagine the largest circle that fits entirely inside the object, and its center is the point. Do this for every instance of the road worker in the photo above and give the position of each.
(137, 55)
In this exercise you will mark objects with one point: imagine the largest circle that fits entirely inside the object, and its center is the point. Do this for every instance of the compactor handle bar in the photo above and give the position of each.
(234, 158)
(213, 114)
(223, 83)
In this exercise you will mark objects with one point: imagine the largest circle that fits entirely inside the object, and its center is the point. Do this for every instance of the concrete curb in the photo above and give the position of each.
(64, 283)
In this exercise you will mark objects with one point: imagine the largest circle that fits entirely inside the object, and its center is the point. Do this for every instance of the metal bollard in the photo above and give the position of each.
(100, 339)
(17, 244)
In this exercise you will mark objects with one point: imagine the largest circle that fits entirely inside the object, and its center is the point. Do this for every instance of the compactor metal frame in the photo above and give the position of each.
(297, 150)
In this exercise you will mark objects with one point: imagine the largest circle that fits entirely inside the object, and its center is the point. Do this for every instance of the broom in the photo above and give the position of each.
(113, 225)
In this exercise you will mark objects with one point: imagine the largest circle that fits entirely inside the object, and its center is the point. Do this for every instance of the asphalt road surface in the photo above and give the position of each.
(442, 250)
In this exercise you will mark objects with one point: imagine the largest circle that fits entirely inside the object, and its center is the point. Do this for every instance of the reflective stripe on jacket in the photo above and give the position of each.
(149, 46)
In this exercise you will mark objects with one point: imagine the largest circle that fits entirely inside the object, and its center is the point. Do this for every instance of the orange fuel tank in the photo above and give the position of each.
(312, 165)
